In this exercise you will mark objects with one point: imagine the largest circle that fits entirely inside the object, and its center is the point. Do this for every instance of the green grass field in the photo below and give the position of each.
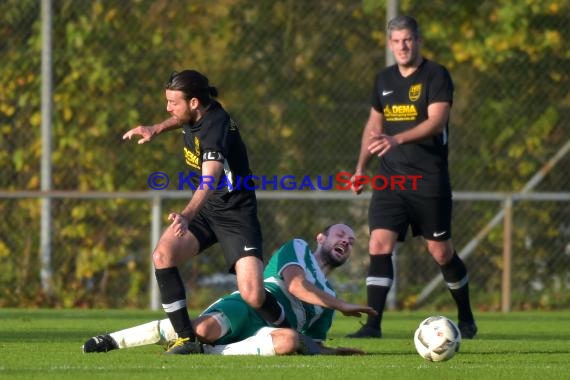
(47, 344)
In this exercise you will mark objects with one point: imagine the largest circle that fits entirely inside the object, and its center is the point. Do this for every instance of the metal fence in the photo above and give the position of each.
(502, 276)
(297, 75)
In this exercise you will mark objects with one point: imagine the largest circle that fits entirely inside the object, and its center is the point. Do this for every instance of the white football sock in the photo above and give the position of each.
(155, 332)
(260, 344)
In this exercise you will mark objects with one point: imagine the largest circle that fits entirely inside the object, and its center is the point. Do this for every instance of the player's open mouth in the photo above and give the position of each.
(339, 249)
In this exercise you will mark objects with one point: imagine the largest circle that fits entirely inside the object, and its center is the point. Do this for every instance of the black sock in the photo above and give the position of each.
(378, 283)
(272, 311)
(455, 275)
(173, 297)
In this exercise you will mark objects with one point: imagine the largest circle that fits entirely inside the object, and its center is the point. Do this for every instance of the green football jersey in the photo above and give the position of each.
(311, 320)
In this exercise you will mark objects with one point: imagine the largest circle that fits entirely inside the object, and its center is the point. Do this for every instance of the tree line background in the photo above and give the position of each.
(297, 75)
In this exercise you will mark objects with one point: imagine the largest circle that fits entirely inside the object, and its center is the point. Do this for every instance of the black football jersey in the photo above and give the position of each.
(404, 101)
(216, 137)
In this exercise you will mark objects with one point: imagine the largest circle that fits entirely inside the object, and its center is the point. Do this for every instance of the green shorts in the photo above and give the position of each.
(244, 320)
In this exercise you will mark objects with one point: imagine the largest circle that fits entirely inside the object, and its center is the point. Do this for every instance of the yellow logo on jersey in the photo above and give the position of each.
(415, 92)
(400, 112)
(193, 157)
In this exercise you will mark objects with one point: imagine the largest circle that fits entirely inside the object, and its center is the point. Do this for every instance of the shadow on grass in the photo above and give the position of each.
(44, 336)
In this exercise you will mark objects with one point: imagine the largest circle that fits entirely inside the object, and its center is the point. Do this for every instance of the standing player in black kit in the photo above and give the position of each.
(215, 213)
(408, 129)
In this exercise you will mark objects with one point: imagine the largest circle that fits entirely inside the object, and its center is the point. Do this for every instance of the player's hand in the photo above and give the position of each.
(351, 310)
(381, 144)
(357, 185)
(146, 132)
(179, 223)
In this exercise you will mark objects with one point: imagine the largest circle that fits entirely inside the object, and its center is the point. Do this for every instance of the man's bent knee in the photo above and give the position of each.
(161, 259)
(285, 341)
(382, 241)
(211, 327)
(253, 298)
(172, 251)
(442, 252)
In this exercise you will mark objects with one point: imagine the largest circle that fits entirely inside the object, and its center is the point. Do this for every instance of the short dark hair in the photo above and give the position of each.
(404, 22)
(327, 229)
(193, 84)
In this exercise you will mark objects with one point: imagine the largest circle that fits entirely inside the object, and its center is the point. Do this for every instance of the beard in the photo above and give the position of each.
(192, 117)
(189, 117)
(330, 259)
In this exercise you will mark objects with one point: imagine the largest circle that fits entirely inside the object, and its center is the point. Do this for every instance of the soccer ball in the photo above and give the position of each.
(437, 339)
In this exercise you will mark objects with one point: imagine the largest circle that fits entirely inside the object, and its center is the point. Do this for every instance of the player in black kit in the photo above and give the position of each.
(220, 210)
(408, 129)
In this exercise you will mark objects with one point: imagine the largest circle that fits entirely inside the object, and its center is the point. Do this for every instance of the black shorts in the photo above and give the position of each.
(234, 225)
(428, 216)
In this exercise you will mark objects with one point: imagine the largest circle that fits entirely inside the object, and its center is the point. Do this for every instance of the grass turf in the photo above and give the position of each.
(46, 344)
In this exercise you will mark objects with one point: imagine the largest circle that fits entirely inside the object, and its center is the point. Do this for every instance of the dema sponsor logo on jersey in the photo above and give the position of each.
(400, 112)
(192, 158)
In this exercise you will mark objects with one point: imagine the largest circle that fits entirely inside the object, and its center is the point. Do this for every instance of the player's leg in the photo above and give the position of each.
(267, 341)
(239, 234)
(212, 326)
(170, 252)
(456, 278)
(379, 280)
(228, 320)
(388, 223)
(249, 277)
(155, 332)
(435, 218)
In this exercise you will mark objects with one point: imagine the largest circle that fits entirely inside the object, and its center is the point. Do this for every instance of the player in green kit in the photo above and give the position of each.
(296, 277)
